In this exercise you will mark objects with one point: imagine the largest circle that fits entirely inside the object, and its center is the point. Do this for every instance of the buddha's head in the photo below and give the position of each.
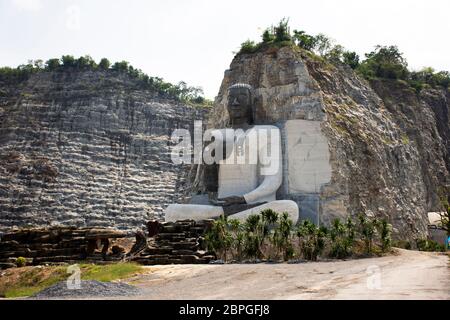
(240, 104)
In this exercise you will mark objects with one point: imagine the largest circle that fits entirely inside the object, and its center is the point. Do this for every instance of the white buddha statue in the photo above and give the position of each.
(249, 173)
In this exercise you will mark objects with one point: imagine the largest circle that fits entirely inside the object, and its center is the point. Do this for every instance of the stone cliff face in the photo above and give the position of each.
(388, 147)
(92, 148)
(87, 149)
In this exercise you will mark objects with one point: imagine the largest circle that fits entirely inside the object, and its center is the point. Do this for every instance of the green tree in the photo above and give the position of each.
(121, 66)
(68, 61)
(282, 31)
(384, 62)
(85, 63)
(304, 40)
(335, 54)
(104, 64)
(351, 58)
(322, 44)
(52, 64)
(268, 35)
(442, 78)
(39, 64)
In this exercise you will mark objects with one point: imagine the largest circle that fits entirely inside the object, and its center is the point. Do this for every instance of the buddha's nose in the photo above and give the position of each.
(235, 102)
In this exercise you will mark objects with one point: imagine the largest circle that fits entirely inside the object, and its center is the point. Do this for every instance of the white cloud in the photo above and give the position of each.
(28, 5)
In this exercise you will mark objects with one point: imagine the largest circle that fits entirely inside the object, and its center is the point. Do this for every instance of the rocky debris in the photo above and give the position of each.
(88, 289)
(60, 244)
(180, 242)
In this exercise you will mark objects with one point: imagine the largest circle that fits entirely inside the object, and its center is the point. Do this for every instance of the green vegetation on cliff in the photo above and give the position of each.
(68, 63)
(385, 62)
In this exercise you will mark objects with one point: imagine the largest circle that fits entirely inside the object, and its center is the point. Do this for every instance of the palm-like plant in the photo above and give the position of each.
(385, 230)
(254, 236)
(282, 236)
(342, 238)
(367, 230)
(311, 240)
(218, 238)
(237, 231)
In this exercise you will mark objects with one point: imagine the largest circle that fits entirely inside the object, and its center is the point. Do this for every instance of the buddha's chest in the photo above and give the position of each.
(238, 174)
(237, 180)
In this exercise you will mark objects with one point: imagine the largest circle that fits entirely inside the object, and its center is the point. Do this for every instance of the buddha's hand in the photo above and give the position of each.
(229, 201)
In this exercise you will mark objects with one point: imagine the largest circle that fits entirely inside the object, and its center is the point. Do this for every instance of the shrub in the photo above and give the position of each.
(248, 47)
(268, 35)
(429, 245)
(304, 40)
(402, 244)
(21, 262)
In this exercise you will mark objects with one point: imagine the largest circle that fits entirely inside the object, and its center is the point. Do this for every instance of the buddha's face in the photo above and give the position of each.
(239, 105)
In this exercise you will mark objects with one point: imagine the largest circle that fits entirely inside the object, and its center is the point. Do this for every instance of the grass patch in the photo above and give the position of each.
(109, 272)
(22, 282)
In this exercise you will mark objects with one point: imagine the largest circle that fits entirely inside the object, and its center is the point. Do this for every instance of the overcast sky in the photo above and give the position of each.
(194, 40)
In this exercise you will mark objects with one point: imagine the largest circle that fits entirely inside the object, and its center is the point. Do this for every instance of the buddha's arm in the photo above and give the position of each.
(272, 173)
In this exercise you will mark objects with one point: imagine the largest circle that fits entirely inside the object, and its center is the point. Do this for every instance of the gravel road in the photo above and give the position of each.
(407, 275)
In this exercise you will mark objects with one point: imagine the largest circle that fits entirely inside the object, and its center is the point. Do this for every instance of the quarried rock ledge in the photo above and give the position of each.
(60, 244)
(180, 242)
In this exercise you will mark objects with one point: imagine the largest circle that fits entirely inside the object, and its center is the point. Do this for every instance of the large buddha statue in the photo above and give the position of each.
(248, 168)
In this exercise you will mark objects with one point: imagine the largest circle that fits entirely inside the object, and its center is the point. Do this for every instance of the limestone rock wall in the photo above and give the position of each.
(388, 146)
(87, 149)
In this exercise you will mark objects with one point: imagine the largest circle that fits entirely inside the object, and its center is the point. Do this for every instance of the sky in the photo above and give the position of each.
(194, 40)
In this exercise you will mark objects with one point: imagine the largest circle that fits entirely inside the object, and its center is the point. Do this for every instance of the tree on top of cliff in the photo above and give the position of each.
(68, 63)
(281, 36)
(384, 62)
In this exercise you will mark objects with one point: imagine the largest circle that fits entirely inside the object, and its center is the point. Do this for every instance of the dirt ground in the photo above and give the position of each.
(407, 275)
